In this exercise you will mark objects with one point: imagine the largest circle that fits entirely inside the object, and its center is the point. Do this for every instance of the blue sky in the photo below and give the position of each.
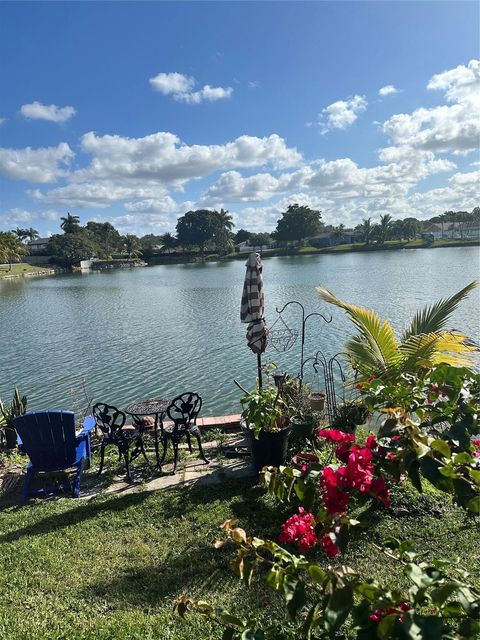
(136, 112)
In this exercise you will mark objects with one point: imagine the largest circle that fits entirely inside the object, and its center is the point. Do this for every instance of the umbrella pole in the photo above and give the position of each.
(259, 366)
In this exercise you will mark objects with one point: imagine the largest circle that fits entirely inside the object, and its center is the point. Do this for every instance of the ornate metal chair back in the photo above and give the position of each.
(109, 419)
(183, 410)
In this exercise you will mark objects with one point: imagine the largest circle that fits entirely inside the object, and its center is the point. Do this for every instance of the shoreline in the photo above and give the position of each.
(268, 253)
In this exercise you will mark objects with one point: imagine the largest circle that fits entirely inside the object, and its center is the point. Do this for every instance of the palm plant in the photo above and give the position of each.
(225, 219)
(70, 223)
(385, 226)
(17, 407)
(32, 234)
(376, 350)
(132, 245)
(366, 230)
(168, 241)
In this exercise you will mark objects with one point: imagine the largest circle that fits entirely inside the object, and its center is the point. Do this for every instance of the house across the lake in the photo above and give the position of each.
(453, 230)
(40, 244)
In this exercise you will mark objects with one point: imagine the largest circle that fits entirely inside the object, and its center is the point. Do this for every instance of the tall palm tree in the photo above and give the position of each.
(338, 231)
(385, 226)
(132, 245)
(70, 223)
(377, 351)
(32, 234)
(11, 249)
(20, 234)
(366, 230)
(225, 219)
(168, 241)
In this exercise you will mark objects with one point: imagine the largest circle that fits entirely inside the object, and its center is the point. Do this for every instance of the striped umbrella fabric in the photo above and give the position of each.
(253, 302)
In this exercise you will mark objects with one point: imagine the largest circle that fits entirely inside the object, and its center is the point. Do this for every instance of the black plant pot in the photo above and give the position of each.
(301, 429)
(269, 449)
(10, 438)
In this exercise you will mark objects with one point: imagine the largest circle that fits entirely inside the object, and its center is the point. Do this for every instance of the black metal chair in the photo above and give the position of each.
(183, 412)
(111, 422)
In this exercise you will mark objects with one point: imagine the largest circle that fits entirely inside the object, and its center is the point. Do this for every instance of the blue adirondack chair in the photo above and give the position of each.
(50, 441)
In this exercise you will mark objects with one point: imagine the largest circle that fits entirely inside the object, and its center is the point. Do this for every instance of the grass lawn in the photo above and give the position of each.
(23, 269)
(110, 567)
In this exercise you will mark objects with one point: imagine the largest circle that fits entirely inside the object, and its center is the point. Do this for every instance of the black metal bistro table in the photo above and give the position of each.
(156, 407)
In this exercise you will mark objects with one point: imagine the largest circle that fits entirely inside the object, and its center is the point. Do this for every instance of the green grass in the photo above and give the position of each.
(23, 269)
(110, 568)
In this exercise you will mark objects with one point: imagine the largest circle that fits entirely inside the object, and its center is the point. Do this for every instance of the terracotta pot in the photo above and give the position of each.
(300, 459)
(317, 401)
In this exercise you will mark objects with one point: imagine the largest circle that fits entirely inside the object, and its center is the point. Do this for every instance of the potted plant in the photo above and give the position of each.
(350, 414)
(317, 400)
(17, 407)
(302, 419)
(266, 426)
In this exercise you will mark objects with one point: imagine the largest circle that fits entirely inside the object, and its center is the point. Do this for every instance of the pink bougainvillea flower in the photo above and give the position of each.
(394, 438)
(342, 451)
(334, 435)
(476, 451)
(391, 456)
(329, 546)
(300, 528)
(371, 442)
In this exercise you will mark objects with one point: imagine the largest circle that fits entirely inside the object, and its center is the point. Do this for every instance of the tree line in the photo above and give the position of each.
(205, 229)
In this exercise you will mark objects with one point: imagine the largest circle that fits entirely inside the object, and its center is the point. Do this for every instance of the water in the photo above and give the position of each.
(158, 331)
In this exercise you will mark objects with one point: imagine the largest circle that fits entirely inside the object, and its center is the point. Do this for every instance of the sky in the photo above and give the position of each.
(136, 112)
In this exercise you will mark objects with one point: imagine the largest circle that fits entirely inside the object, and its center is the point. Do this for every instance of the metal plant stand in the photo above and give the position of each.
(302, 332)
(329, 379)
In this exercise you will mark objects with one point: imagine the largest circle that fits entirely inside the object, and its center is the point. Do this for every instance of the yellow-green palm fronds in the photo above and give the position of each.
(432, 319)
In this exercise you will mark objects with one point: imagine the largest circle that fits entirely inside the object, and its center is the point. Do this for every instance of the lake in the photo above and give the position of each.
(161, 330)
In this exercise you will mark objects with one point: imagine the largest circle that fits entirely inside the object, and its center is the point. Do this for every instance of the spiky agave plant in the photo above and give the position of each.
(377, 351)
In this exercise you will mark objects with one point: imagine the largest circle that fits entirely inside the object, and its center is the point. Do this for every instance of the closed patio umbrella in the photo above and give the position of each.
(252, 309)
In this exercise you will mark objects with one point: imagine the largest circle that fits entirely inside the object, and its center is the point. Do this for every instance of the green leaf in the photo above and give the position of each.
(469, 629)
(385, 627)
(232, 621)
(442, 447)
(294, 595)
(440, 595)
(462, 458)
(338, 607)
(473, 505)
(316, 573)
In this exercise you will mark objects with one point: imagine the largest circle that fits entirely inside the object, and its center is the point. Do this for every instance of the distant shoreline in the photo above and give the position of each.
(392, 245)
(23, 270)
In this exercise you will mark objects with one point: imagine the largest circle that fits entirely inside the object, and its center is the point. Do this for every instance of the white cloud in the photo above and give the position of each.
(38, 111)
(36, 165)
(387, 90)
(127, 168)
(18, 216)
(176, 83)
(2, 121)
(181, 88)
(443, 129)
(165, 205)
(338, 179)
(341, 114)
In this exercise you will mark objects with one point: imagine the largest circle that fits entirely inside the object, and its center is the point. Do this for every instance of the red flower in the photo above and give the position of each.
(394, 438)
(329, 546)
(391, 456)
(334, 435)
(343, 451)
(299, 528)
(371, 442)
(371, 378)
(476, 451)
(304, 470)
